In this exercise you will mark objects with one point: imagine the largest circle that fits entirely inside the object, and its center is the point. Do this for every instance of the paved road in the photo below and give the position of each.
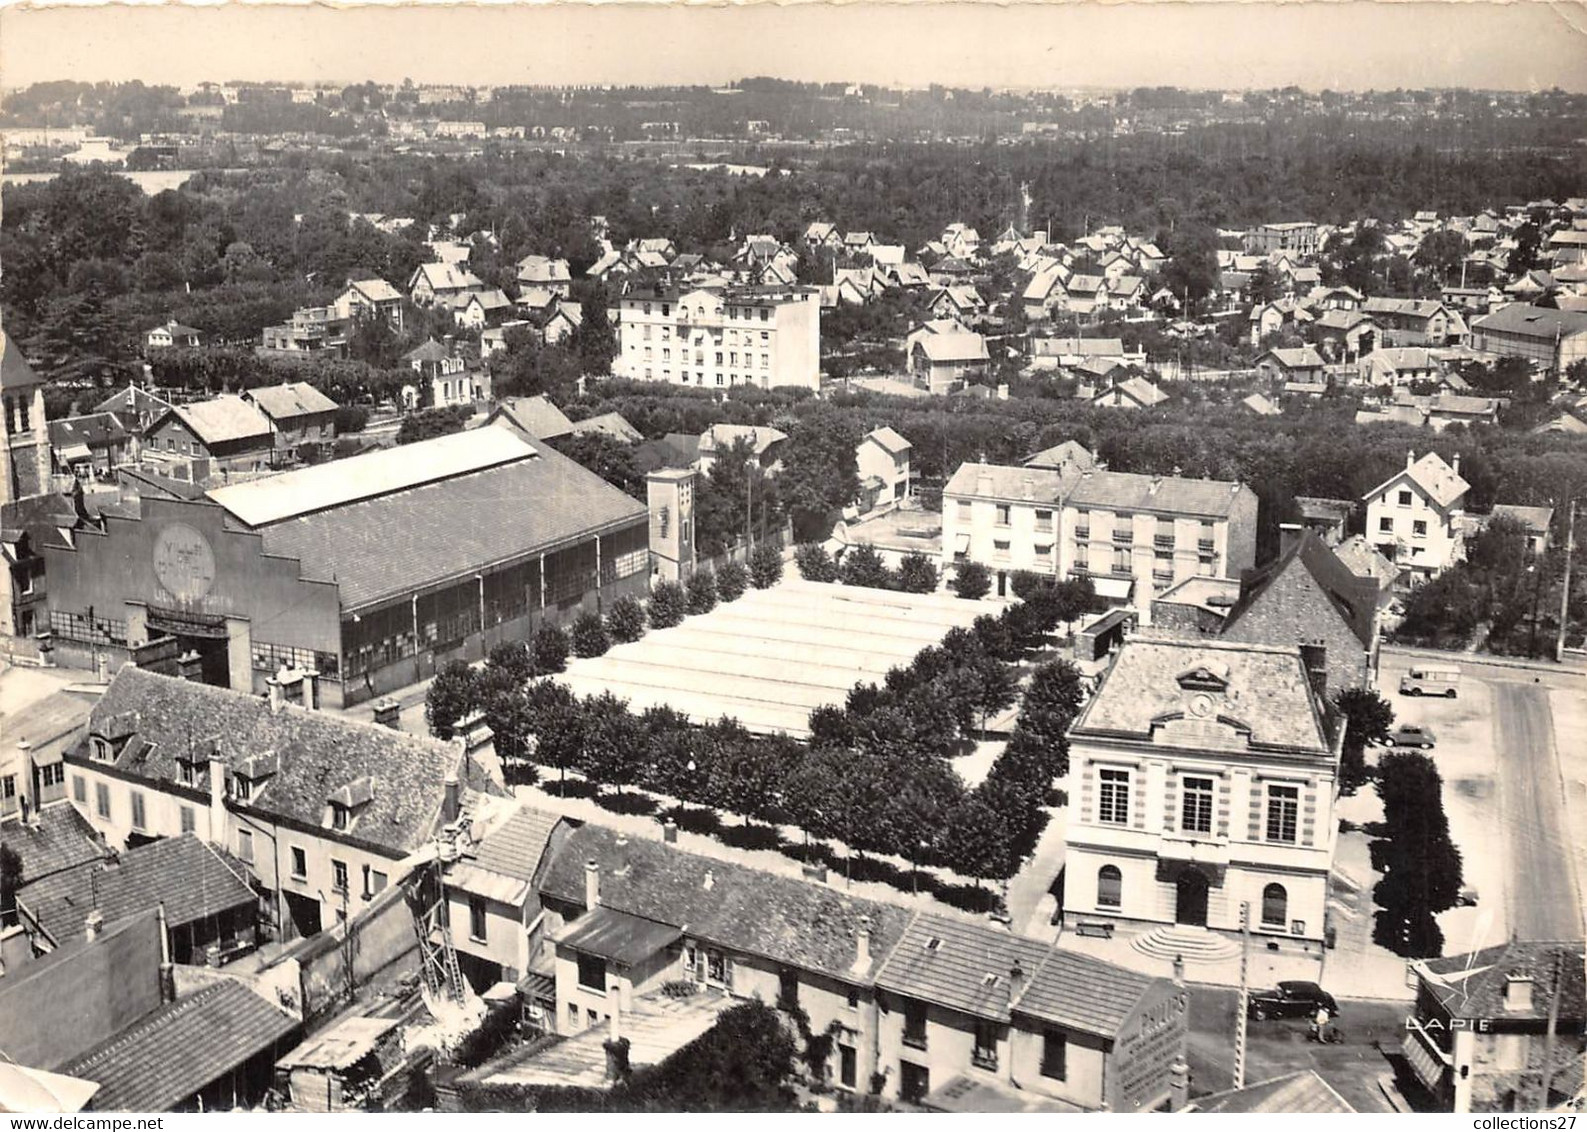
(1543, 894)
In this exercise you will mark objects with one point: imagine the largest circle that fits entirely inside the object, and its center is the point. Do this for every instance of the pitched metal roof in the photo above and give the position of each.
(960, 964)
(191, 878)
(290, 399)
(618, 937)
(319, 751)
(393, 544)
(792, 921)
(1082, 992)
(338, 483)
(1267, 691)
(173, 1053)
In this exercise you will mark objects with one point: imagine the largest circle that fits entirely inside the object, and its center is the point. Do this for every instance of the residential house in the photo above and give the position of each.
(96, 442)
(137, 407)
(369, 298)
(1345, 335)
(493, 339)
(320, 808)
(1068, 353)
(480, 309)
(492, 891)
(534, 417)
(1413, 516)
(960, 301)
(1206, 775)
(544, 272)
(944, 362)
(1270, 318)
(204, 438)
(765, 445)
(1503, 1029)
(560, 322)
(1416, 322)
(127, 1037)
(1564, 422)
(1399, 366)
(444, 283)
(1299, 364)
(820, 234)
(1128, 393)
(1330, 518)
(1085, 294)
(1069, 456)
(444, 377)
(883, 461)
(1535, 521)
(1552, 338)
(1468, 300)
(171, 334)
(298, 414)
(976, 1019)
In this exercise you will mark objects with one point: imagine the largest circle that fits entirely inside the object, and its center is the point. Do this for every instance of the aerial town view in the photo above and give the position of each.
(982, 559)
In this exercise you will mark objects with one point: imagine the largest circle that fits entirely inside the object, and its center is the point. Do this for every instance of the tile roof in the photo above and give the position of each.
(793, 921)
(1131, 491)
(535, 415)
(384, 471)
(223, 419)
(1438, 480)
(1301, 1092)
(722, 437)
(447, 277)
(376, 549)
(190, 877)
(1534, 519)
(319, 752)
(1000, 481)
(165, 1058)
(614, 425)
(1082, 992)
(960, 964)
(59, 840)
(542, 269)
(617, 936)
(889, 440)
(140, 402)
(515, 847)
(1364, 560)
(954, 347)
(1137, 389)
(92, 429)
(1300, 357)
(1069, 454)
(1267, 690)
(1410, 308)
(427, 351)
(1473, 985)
(290, 399)
(375, 290)
(1316, 507)
(1353, 599)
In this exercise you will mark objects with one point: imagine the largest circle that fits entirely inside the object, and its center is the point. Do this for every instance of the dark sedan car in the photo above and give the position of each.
(1292, 999)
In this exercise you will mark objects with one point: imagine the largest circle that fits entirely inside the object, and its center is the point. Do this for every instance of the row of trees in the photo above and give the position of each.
(875, 775)
(863, 566)
(1422, 867)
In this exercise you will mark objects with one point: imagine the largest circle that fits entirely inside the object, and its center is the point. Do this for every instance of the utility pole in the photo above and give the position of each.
(1548, 1036)
(1241, 1019)
(1564, 596)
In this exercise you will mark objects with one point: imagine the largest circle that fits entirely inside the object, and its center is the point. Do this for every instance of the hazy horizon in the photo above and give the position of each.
(1343, 45)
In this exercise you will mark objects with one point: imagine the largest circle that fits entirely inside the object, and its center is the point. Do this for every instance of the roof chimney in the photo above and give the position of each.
(983, 483)
(1016, 981)
(592, 885)
(862, 946)
(1030, 488)
(94, 925)
(278, 693)
(1410, 459)
(449, 803)
(1518, 991)
(1456, 463)
(217, 800)
(1288, 535)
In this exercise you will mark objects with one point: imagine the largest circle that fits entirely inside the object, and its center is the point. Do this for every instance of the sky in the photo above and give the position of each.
(1323, 44)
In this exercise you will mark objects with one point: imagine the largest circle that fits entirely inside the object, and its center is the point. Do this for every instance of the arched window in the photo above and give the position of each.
(1275, 906)
(1110, 886)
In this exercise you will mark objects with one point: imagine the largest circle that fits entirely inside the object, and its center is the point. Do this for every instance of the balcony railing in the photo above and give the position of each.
(1083, 533)
(1124, 536)
(984, 1058)
(1204, 545)
(1163, 542)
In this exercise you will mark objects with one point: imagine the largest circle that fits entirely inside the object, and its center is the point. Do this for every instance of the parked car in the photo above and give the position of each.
(1291, 999)
(1413, 735)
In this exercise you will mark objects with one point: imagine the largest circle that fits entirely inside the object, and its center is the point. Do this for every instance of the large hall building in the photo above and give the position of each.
(373, 571)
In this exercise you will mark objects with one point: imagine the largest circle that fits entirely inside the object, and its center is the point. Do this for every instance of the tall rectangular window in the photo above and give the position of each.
(187, 819)
(79, 790)
(1054, 1055)
(1113, 801)
(915, 1024)
(300, 863)
(1283, 813)
(102, 799)
(1003, 514)
(245, 846)
(476, 918)
(1195, 810)
(339, 876)
(138, 815)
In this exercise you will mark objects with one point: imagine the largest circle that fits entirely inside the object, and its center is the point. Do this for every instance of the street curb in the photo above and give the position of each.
(1490, 661)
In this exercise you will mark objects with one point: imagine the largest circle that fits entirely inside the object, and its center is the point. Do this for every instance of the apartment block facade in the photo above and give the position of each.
(714, 338)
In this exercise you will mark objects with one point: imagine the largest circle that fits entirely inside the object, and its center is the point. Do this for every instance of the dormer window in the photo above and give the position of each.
(100, 750)
(346, 804)
(241, 788)
(186, 772)
(340, 818)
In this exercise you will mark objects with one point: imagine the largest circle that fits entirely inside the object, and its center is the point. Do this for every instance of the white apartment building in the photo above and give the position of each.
(1413, 517)
(1133, 535)
(1205, 779)
(721, 336)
